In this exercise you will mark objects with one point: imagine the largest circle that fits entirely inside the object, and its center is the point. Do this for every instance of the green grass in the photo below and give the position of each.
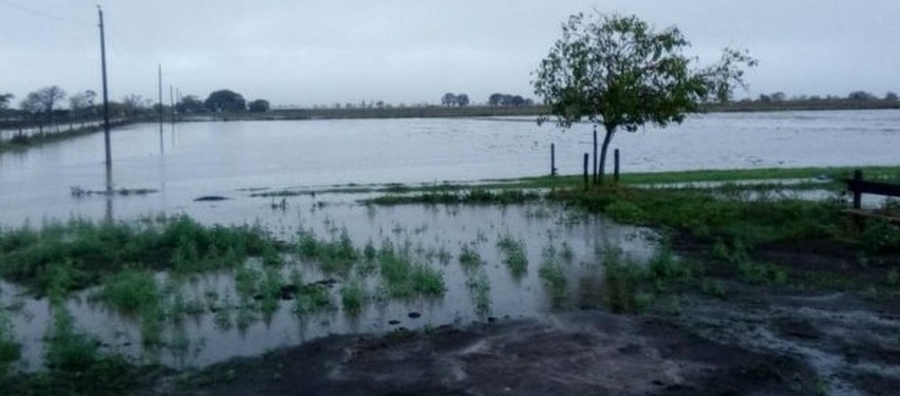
(93, 250)
(353, 297)
(131, 291)
(632, 286)
(401, 278)
(480, 289)
(553, 276)
(10, 350)
(335, 256)
(469, 257)
(514, 256)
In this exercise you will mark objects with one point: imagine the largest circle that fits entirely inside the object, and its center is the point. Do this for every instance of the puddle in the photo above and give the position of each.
(214, 320)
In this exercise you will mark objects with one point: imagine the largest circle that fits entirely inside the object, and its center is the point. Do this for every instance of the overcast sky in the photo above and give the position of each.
(307, 52)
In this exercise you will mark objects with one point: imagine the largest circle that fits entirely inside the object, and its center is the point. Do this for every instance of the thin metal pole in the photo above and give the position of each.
(160, 101)
(161, 146)
(105, 104)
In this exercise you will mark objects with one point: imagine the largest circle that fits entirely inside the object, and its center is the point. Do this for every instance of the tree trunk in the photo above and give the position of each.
(608, 138)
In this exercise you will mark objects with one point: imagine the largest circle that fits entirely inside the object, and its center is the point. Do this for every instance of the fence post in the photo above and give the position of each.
(857, 194)
(616, 169)
(585, 171)
(552, 159)
(595, 155)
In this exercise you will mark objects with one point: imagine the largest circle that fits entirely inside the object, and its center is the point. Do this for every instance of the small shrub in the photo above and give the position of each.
(353, 296)
(131, 291)
(514, 255)
(469, 257)
(480, 288)
(625, 212)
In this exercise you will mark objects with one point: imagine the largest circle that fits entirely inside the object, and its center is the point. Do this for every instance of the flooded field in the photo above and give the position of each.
(477, 264)
(228, 158)
(411, 266)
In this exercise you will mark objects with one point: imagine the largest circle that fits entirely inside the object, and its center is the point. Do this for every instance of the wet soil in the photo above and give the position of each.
(810, 336)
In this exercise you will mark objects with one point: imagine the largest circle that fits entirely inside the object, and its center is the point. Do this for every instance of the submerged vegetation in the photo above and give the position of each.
(149, 270)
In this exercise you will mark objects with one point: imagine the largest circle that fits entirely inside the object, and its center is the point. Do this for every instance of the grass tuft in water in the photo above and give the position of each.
(480, 288)
(469, 257)
(553, 276)
(10, 350)
(353, 297)
(514, 256)
(403, 279)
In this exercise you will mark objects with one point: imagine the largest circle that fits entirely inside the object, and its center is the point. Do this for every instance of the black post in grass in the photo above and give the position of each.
(552, 159)
(586, 171)
(616, 170)
(857, 192)
(595, 156)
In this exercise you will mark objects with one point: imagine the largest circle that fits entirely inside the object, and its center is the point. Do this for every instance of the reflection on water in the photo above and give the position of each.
(212, 317)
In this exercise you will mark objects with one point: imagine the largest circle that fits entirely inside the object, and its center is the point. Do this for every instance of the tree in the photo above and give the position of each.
(5, 99)
(48, 97)
(860, 95)
(891, 95)
(258, 106)
(225, 100)
(135, 105)
(82, 103)
(495, 99)
(462, 100)
(449, 99)
(618, 73)
(190, 104)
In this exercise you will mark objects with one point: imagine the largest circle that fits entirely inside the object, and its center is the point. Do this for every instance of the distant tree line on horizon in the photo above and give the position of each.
(48, 107)
(53, 105)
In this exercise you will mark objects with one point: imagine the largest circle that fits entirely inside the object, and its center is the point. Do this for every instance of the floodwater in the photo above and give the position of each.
(234, 160)
(426, 231)
(226, 158)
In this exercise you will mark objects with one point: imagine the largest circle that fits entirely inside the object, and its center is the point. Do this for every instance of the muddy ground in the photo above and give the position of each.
(799, 339)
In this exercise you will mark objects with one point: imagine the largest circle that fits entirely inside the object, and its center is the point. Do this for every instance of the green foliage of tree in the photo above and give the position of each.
(5, 99)
(225, 100)
(258, 106)
(618, 72)
(449, 99)
(860, 95)
(462, 100)
(190, 105)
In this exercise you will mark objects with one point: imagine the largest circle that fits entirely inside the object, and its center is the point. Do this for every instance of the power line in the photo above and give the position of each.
(44, 14)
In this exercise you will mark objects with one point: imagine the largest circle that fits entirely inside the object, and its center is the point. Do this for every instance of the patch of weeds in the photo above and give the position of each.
(403, 279)
(892, 277)
(353, 296)
(222, 314)
(764, 274)
(480, 288)
(566, 253)
(444, 256)
(880, 236)
(10, 350)
(335, 256)
(311, 299)
(553, 277)
(622, 279)
(712, 287)
(625, 211)
(664, 270)
(513, 255)
(94, 250)
(131, 291)
(469, 257)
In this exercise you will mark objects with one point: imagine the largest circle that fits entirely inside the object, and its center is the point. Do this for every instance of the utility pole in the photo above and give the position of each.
(105, 103)
(160, 112)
